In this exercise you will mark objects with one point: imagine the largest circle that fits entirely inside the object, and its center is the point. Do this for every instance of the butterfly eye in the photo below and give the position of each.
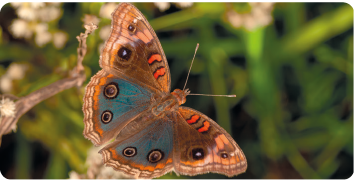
(129, 151)
(132, 28)
(111, 90)
(124, 53)
(224, 155)
(106, 116)
(197, 153)
(155, 155)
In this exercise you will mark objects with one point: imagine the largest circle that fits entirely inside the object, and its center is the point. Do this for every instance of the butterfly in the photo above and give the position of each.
(130, 100)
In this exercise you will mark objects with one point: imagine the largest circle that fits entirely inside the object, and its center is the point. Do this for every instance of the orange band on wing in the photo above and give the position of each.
(193, 119)
(224, 139)
(154, 57)
(102, 82)
(159, 72)
(205, 127)
(219, 142)
(143, 37)
(237, 158)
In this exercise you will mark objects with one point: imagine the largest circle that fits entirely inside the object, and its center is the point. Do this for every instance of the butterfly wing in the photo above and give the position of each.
(111, 102)
(134, 51)
(201, 146)
(143, 148)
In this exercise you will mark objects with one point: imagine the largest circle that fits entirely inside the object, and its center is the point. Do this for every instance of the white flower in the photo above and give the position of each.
(41, 27)
(26, 13)
(110, 173)
(16, 4)
(37, 5)
(184, 4)
(16, 71)
(162, 6)
(43, 38)
(94, 161)
(49, 13)
(5, 84)
(94, 158)
(260, 15)
(54, 3)
(14, 127)
(59, 39)
(88, 19)
(235, 19)
(105, 32)
(249, 22)
(74, 175)
(7, 108)
(107, 9)
(20, 28)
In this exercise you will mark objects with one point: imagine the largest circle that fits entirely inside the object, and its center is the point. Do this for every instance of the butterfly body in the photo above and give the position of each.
(130, 100)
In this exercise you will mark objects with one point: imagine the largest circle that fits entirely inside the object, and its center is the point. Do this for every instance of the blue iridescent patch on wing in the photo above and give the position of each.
(156, 136)
(131, 100)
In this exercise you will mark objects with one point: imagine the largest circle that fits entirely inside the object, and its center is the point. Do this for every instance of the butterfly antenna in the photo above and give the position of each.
(213, 95)
(188, 74)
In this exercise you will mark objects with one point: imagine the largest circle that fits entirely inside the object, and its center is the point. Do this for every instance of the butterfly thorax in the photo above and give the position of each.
(170, 102)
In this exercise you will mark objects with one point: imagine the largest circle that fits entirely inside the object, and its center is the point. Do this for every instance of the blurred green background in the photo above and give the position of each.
(289, 64)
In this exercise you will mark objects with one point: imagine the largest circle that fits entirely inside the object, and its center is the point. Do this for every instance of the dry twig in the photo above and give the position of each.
(76, 78)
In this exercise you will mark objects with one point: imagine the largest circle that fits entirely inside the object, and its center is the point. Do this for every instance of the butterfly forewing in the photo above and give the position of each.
(111, 102)
(134, 51)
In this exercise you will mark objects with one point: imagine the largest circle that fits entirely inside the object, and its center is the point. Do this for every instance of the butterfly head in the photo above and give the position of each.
(180, 95)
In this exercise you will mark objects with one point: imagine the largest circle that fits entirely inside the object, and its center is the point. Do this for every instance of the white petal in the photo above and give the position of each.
(105, 32)
(20, 28)
(26, 13)
(36, 5)
(43, 38)
(59, 39)
(162, 5)
(16, 4)
(7, 108)
(107, 9)
(5, 84)
(41, 27)
(16, 71)
(73, 175)
(184, 4)
(49, 13)
(88, 19)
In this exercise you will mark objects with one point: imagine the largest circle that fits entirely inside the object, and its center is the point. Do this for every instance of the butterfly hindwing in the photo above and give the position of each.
(206, 147)
(134, 51)
(111, 102)
(143, 148)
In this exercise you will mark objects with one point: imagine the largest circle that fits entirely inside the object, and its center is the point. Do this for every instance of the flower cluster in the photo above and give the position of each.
(7, 108)
(33, 20)
(259, 15)
(14, 72)
(163, 6)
